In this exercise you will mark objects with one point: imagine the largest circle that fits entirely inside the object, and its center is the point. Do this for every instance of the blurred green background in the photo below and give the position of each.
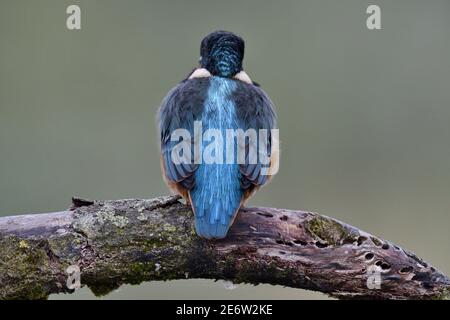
(363, 115)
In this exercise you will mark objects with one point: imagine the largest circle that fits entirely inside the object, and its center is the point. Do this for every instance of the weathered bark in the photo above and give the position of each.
(130, 241)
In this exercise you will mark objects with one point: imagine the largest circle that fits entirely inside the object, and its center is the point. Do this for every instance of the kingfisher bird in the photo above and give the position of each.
(216, 97)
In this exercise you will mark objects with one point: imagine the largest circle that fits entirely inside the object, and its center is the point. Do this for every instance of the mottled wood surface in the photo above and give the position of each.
(130, 241)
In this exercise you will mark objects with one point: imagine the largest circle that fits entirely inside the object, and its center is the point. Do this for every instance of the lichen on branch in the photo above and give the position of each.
(131, 241)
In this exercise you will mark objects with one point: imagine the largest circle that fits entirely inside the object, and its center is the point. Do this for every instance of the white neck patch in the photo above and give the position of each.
(203, 73)
(243, 76)
(200, 73)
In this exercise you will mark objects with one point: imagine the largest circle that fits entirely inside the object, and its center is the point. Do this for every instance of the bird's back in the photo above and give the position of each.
(215, 186)
(217, 194)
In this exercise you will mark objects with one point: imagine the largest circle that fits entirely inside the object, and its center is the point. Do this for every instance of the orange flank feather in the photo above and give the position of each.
(173, 186)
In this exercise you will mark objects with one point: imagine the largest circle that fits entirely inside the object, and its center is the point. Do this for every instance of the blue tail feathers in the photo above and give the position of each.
(216, 198)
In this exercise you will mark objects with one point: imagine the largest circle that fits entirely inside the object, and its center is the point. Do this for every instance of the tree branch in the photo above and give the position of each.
(130, 241)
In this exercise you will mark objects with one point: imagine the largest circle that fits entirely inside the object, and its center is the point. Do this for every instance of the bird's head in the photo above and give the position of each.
(221, 53)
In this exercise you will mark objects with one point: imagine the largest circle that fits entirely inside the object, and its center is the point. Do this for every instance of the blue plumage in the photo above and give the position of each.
(217, 194)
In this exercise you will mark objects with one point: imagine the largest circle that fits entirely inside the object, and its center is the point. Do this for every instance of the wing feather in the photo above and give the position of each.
(179, 109)
(255, 111)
